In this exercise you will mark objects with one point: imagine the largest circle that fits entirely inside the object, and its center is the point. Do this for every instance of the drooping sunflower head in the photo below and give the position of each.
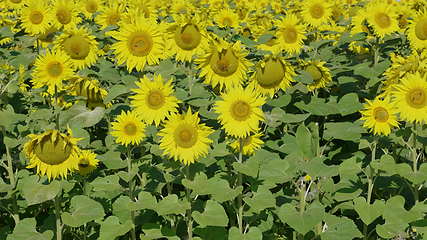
(250, 144)
(321, 75)
(240, 111)
(53, 153)
(382, 18)
(316, 13)
(35, 17)
(87, 162)
(417, 32)
(90, 89)
(290, 34)
(185, 139)
(128, 128)
(379, 116)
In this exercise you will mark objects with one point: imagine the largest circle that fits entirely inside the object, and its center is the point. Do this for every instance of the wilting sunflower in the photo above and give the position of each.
(184, 138)
(87, 162)
(272, 73)
(65, 14)
(290, 34)
(154, 100)
(382, 18)
(224, 65)
(417, 31)
(316, 12)
(128, 128)
(251, 143)
(53, 153)
(187, 38)
(111, 15)
(35, 17)
(227, 18)
(379, 116)
(51, 69)
(90, 89)
(90, 7)
(410, 98)
(321, 75)
(79, 45)
(139, 44)
(240, 111)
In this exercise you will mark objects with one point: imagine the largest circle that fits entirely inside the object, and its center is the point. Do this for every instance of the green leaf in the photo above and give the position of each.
(319, 106)
(368, 212)
(122, 208)
(115, 91)
(340, 228)
(349, 104)
(83, 210)
(304, 77)
(316, 168)
(8, 118)
(302, 223)
(304, 141)
(260, 200)
(213, 215)
(253, 234)
(106, 187)
(80, 116)
(171, 205)
(112, 160)
(26, 230)
(36, 193)
(156, 231)
(145, 201)
(111, 228)
(343, 130)
(294, 118)
(281, 101)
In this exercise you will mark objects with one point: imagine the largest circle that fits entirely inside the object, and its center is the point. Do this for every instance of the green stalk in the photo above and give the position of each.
(189, 211)
(131, 186)
(370, 187)
(415, 161)
(239, 183)
(12, 179)
(57, 202)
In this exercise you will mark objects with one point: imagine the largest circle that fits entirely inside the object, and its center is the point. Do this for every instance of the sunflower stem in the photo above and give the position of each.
(12, 179)
(130, 178)
(370, 185)
(58, 216)
(239, 183)
(56, 108)
(415, 160)
(189, 210)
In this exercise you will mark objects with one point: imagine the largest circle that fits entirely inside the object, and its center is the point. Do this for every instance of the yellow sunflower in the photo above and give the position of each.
(139, 44)
(154, 100)
(128, 128)
(379, 116)
(410, 98)
(13, 4)
(90, 89)
(321, 75)
(65, 14)
(111, 15)
(139, 9)
(35, 17)
(290, 34)
(382, 18)
(272, 73)
(316, 12)
(87, 162)
(251, 143)
(79, 45)
(90, 7)
(417, 31)
(359, 22)
(184, 138)
(240, 111)
(53, 153)
(227, 18)
(224, 65)
(51, 69)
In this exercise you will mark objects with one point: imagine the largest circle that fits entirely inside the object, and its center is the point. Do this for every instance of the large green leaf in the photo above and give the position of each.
(34, 192)
(112, 228)
(83, 210)
(213, 215)
(26, 230)
(301, 222)
(368, 212)
(340, 228)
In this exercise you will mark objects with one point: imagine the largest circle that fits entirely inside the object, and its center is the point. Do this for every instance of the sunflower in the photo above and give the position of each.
(290, 34)
(410, 98)
(224, 65)
(139, 9)
(272, 73)
(139, 44)
(110, 15)
(185, 139)
(128, 128)
(90, 89)
(379, 116)
(90, 7)
(179, 7)
(321, 75)
(316, 12)
(240, 111)
(79, 45)
(251, 143)
(382, 18)
(53, 153)
(227, 18)
(417, 31)
(35, 17)
(359, 22)
(51, 69)
(87, 162)
(154, 100)
(65, 14)
(13, 4)
(45, 39)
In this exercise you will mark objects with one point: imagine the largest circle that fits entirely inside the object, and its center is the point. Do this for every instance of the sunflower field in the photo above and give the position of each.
(213, 119)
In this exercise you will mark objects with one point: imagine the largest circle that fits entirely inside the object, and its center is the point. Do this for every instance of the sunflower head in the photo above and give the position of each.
(379, 116)
(250, 144)
(90, 89)
(87, 162)
(417, 32)
(321, 75)
(128, 128)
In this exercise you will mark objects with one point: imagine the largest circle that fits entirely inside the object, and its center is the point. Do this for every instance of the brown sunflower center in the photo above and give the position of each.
(55, 69)
(155, 99)
(140, 44)
(224, 63)
(421, 29)
(113, 18)
(240, 110)
(383, 20)
(226, 21)
(317, 11)
(271, 75)
(416, 98)
(314, 71)
(91, 6)
(188, 37)
(36, 17)
(185, 135)
(381, 114)
(130, 129)
(84, 163)
(15, 1)
(290, 35)
(77, 47)
(53, 153)
(63, 16)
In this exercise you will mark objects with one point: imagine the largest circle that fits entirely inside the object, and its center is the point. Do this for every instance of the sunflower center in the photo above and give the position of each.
(240, 110)
(187, 37)
(130, 129)
(271, 75)
(55, 69)
(380, 114)
(226, 21)
(63, 16)
(383, 20)
(84, 163)
(91, 6)
(421, 29)
(416, 98)
(185, 135)
(224, 63)
(113, 19)
(36, 17)
(290, 35)
(314, 71)
(77, 47)
(155, 99)
(15, 1)
(317, 11)
(140, 44)
(53, 153)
